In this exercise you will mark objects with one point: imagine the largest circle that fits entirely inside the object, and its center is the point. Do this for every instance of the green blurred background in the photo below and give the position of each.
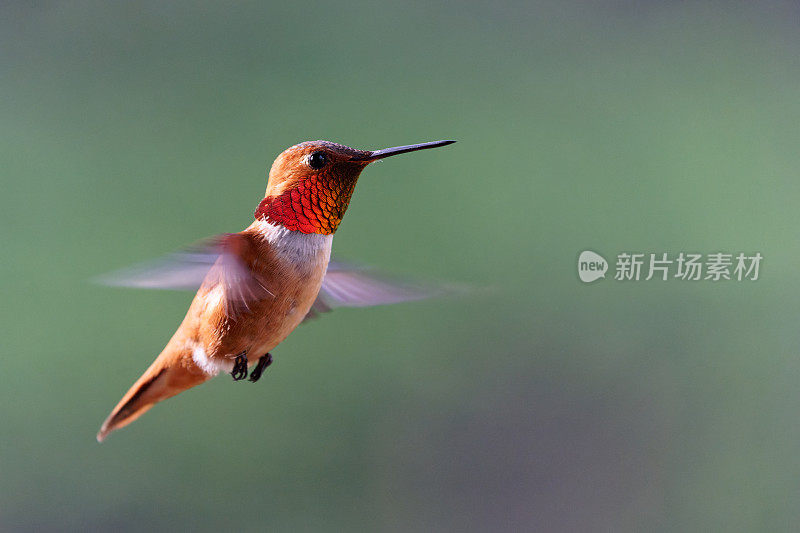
(536, 402)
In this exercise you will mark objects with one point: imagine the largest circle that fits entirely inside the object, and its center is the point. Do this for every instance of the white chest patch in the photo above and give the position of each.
(307, 249)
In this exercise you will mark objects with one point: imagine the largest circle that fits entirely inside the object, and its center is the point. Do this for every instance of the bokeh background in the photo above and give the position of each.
(535, 402)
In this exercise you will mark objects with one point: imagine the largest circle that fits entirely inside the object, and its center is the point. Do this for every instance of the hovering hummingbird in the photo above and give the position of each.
(258, 285)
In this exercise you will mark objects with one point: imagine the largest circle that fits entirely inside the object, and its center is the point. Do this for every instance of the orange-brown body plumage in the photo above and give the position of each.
(219, 325)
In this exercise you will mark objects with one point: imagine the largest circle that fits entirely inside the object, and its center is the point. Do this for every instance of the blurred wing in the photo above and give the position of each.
(177, 271)
(347, 285)
(219, 260)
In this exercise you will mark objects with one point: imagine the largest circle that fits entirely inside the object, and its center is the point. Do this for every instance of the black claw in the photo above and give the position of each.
(262, 364)
(239, 371)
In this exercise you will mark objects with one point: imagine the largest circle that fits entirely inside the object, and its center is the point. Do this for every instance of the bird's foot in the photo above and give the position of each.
(262, 365)
(239, 371)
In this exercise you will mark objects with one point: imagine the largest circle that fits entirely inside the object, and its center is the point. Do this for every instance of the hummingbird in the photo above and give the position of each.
(256, 286)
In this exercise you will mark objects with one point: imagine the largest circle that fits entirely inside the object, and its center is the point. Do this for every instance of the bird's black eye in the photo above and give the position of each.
(317, 160)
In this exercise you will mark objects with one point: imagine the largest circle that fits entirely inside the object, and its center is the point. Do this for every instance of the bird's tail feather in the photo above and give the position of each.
(159, 382)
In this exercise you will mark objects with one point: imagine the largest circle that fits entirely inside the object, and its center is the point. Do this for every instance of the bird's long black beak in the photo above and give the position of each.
(386, 152)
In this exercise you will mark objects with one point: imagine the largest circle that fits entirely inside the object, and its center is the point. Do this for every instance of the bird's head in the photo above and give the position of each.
(310, 184)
